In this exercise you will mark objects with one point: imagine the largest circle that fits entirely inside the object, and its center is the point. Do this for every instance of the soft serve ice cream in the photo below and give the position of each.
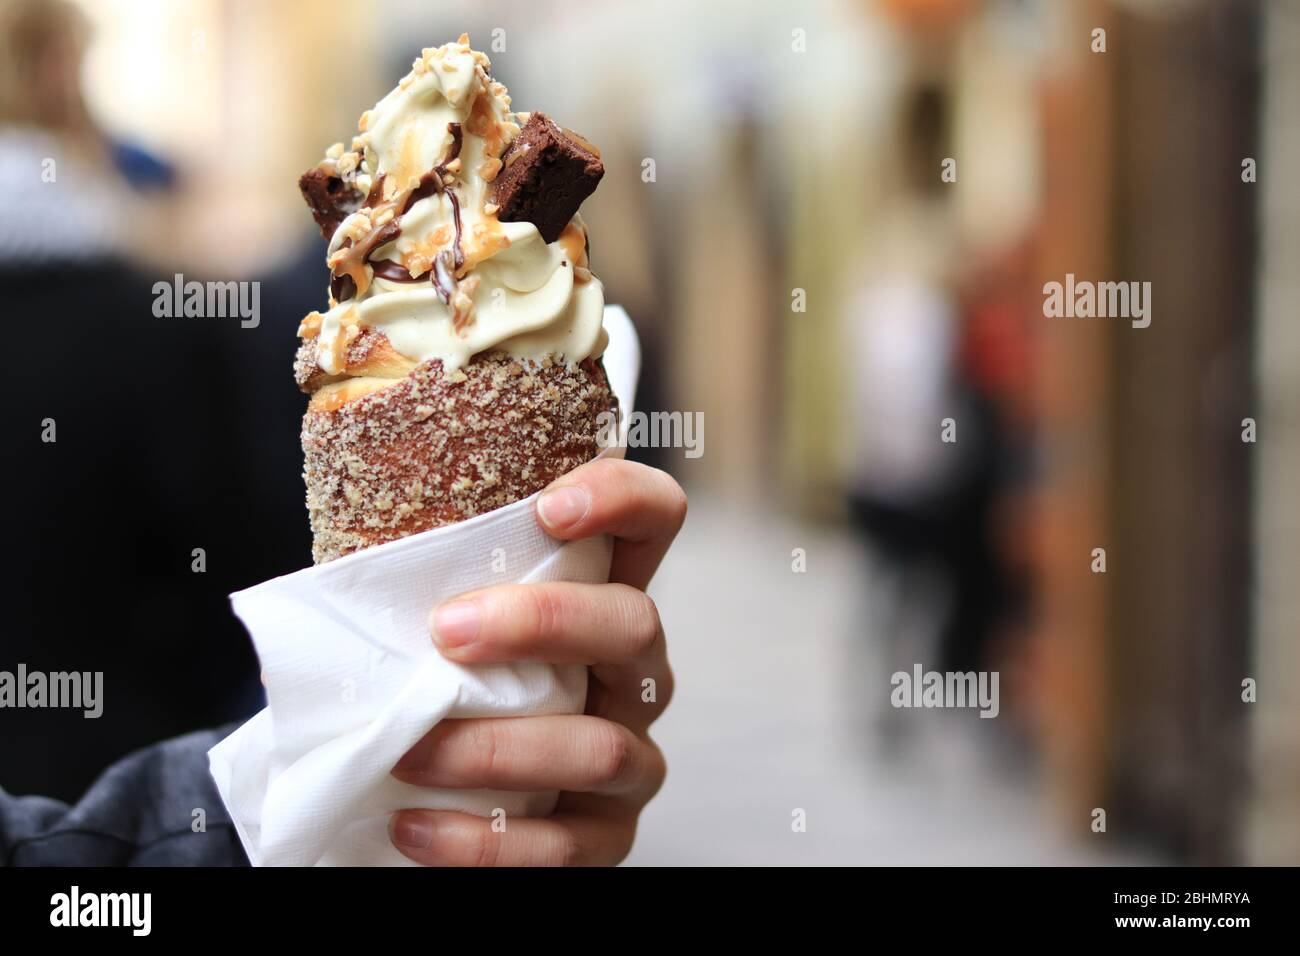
(428, 257)
(457, 368)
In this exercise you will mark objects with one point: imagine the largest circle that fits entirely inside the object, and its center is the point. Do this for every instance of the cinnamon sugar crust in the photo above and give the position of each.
(433, 448)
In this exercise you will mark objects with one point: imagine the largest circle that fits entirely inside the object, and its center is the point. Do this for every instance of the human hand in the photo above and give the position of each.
(603, 760)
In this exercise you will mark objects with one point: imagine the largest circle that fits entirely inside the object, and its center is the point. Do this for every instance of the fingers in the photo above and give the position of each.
(560, 623)
(447, 838)
(613, 628)
(640, 506)
(579, 753)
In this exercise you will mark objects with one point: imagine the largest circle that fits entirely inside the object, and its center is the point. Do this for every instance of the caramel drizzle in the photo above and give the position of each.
(344, 275)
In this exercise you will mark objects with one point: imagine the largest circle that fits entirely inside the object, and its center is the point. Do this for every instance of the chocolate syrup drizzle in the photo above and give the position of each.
(442, 275)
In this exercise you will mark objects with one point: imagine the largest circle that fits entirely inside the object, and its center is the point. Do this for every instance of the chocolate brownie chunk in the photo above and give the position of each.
(329, 198)
(546, 175)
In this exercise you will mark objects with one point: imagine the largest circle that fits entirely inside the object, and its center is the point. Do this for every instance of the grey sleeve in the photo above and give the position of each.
(156, 807)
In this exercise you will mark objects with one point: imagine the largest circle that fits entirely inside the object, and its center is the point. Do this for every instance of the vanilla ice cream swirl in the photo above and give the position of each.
(425, 260)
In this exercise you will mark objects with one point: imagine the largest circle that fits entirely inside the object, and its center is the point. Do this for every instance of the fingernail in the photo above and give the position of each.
(456, 624)
(411, 830)
(562, 508)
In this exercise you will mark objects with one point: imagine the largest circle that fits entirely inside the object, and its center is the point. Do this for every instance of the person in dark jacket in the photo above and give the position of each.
(158, 807)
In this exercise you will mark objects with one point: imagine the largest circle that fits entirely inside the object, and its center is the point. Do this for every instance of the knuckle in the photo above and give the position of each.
(675, 500)
(544, 614)
(657, 771)
(613, 757)
(483, 847)
(569, 849)
(667, 686)
(485, 748)
(644, 623)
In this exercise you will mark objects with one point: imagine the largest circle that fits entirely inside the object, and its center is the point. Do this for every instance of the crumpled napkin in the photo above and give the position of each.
(353, 679)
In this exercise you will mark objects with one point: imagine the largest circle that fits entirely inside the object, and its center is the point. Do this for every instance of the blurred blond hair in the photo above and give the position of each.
(43, 42)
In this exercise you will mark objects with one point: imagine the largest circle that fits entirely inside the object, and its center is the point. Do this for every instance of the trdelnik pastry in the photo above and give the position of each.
(457, 368)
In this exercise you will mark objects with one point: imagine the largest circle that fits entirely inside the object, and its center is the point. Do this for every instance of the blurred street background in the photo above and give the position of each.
(832, 222)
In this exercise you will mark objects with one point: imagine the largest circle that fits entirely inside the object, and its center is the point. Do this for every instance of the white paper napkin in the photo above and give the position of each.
(353, 679)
